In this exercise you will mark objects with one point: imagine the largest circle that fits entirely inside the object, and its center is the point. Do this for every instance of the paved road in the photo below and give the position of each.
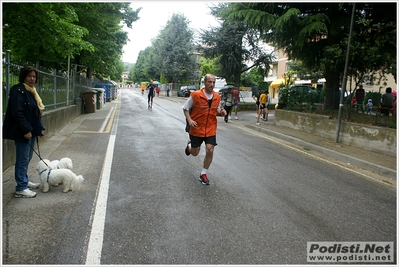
(142, 203)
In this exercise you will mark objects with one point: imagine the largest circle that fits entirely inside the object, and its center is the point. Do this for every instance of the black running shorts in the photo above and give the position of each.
(197, 141)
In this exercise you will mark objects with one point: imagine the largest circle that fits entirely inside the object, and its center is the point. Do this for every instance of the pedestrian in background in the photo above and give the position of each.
(393, 109)
(266, 107)
(205, 106)
(353, 102)
(23, 124)
(386, 101)
(256, 97)
(158, 90)
(360, 93)
(228, 99)
(236, 94)
(369, 106)
(167, 89)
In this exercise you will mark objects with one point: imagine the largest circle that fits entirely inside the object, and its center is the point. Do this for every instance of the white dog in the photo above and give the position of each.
(51, 176)
(64, 163)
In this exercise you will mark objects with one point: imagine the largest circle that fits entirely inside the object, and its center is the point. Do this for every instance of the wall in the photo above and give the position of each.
(378, 139)
(53, 120)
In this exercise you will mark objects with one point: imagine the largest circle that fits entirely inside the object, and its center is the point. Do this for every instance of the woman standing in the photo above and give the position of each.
(22, 123)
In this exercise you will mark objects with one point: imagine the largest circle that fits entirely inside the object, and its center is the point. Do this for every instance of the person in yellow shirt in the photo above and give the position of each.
(262, 104)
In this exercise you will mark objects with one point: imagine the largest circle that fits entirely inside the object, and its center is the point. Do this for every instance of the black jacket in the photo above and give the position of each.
(22, 115)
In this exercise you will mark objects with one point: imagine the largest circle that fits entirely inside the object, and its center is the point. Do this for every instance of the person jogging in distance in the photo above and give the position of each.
(151, 92)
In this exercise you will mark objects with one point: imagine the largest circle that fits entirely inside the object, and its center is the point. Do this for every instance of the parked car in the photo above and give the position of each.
(186, 90)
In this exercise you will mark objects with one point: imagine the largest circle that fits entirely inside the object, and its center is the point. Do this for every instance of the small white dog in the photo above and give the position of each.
(51, 176)
(64, 163)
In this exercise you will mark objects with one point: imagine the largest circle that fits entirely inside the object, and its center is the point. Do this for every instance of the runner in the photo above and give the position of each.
(202, 121)
(151, 92)
(142, 88)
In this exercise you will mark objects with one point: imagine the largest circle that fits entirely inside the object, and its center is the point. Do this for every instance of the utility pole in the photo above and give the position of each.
(68, 80)
(344, 79)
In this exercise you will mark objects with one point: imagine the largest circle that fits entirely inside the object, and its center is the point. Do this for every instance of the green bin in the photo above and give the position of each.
(100, 97)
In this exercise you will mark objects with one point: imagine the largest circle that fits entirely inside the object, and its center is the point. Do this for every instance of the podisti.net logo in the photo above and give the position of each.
(350, 252)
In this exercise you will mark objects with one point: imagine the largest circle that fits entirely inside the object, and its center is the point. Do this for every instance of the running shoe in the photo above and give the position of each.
(204, 179)
(186, 150)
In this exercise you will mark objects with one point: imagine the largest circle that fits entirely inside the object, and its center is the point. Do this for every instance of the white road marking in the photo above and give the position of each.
(95, 245)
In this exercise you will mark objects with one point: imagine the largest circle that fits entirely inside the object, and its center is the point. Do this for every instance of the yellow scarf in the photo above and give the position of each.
(32, 90)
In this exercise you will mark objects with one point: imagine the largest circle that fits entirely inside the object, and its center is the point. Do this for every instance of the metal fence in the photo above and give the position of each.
(57, 88)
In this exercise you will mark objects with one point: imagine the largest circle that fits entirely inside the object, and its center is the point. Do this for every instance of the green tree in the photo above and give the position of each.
(173, 50)
(208, 65)
(136, 72)
(119, 69)
(234, 44)
(302, 72)
(142, 69)
(104, 22)
(89, 33)
(317, 34)
(254, 78)
(150, 64)
(44, 32)
(374, 44)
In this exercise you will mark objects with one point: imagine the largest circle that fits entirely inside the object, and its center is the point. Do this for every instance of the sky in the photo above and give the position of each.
(154, 16)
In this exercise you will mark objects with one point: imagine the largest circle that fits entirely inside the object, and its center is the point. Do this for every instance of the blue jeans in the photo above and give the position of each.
(24, 152)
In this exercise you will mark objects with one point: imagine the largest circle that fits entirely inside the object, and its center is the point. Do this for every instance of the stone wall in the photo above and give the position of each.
(377, 139)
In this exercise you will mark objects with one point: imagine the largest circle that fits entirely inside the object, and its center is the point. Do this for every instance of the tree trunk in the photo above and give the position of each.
(237, 79)
(332, 90)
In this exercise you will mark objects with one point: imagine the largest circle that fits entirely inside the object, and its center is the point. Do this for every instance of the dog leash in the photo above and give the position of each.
(38, 149)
